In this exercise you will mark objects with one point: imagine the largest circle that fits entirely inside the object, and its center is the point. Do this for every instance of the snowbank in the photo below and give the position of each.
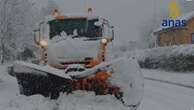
(176, 58)
(185, 50)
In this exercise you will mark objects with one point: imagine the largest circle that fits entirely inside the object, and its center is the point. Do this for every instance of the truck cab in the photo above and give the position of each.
(72, 39)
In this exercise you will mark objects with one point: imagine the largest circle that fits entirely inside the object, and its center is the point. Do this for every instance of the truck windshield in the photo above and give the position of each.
(84, 27)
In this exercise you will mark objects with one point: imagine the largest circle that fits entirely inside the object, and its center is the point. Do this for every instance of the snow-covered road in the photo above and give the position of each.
(163, 96)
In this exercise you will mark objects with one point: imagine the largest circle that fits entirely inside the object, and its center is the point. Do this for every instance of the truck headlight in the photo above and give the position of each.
(104, 41)
(43, 43)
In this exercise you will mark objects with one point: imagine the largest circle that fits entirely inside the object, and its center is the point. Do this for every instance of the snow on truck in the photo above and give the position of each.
(76, 56)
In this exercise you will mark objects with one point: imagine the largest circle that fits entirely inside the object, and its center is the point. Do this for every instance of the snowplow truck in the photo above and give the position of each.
(75, 54)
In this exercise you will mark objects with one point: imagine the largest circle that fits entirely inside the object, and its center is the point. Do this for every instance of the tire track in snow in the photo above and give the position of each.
(169, 82)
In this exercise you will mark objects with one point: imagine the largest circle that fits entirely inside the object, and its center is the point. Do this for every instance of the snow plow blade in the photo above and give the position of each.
(128, 76)
(49, 82)
(33, 79)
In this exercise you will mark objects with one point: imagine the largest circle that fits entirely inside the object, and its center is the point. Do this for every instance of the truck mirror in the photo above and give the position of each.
(113, 33)
(37, 33)
(98, 23)
(36, 36)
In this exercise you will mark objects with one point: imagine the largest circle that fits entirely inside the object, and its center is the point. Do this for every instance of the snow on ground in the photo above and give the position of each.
(180, 78)
(78, 101)
(88, 101)
(3, 72)
(8, 87)
(164, 96)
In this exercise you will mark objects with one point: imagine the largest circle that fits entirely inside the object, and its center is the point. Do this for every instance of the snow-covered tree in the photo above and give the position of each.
(147, 39)
(17, 19)
(186, 6)
(6, 21)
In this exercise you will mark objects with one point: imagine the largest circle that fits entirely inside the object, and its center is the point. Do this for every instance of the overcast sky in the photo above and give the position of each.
(125, 15)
